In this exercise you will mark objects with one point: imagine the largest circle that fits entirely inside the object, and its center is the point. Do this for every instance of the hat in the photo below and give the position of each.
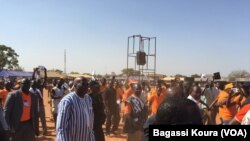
(229, 86)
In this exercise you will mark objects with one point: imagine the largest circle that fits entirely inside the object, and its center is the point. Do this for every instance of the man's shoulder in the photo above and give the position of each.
(15, 92)
(133, 98)
(68, 96)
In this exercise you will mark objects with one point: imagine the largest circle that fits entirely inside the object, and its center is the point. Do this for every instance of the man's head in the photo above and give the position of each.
(220, 85)
(81, 86)
(137, 89)
(178, 110)
(94, 86)
(195, 92)
(8, 85)
(103, 81)
(25, 85)
(60, 82)
(170, 92)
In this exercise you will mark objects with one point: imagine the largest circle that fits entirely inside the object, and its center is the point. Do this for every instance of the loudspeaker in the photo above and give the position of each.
(216, 76)
(141, 58)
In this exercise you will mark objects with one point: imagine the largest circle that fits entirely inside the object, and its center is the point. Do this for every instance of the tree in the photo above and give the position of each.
(8, 58)
(179, 76)
(130, 71)
(19, 68)
(74, 72)
(196, 76)
(56, 70)
(238, 74)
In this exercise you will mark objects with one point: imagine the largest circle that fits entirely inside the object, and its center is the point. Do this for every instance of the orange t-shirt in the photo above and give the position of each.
(26, 107)
(3, 95)
(228, 113)
(156, 100)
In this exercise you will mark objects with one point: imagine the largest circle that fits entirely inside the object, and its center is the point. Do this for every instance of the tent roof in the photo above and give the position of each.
(11, 73)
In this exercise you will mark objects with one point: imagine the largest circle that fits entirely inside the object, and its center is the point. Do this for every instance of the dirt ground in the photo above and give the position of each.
(51, 127)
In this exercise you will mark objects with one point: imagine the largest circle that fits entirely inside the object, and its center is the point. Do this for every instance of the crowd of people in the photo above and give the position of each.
(82, 107)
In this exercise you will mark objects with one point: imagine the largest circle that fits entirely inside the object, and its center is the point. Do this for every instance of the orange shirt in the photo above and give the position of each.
(26, 107)
(155, 100)
(228, 113)
(3, 95)
(240, 115)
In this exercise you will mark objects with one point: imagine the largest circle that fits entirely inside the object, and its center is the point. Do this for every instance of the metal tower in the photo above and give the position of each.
(138, 43)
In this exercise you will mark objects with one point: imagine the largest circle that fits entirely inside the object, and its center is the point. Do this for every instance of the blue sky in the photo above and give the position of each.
(193, 36)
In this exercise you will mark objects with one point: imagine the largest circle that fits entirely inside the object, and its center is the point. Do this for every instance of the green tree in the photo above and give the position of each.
(19, 68)
(8, 58)
(196, 76)
(56, 70)
(130, 71)
(179, 75)
(74, 72)
(238, 74)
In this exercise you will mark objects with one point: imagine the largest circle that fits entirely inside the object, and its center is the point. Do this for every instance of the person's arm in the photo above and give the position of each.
(150, 99)
(214, 103)
(62, 130)
(45, 75)
(221, 103)
(34, 72)
(102, 110)
(44, 85)
(2, 120)
(106, 94)
(1, 98)
(8, 108)
(128, 121)
(35, 108)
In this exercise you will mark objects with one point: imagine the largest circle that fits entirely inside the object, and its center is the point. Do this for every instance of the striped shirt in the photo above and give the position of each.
(75, 119)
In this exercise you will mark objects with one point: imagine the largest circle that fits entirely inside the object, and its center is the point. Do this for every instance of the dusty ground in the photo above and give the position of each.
(51, 128)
